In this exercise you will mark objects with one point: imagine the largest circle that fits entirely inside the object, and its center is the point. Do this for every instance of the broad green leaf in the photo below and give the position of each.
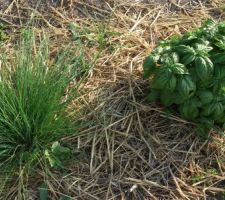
(187, 59)
(204, 67)
(209, 63)
(183, 50)
(171, 83)
(205, 96)
(214, 109)
(202, 48)
(179, 68)
(218, 110)
(162, 78)
(185, 86)
(189, 109)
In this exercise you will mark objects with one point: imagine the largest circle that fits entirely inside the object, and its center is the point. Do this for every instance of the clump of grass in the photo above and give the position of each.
(34, 101)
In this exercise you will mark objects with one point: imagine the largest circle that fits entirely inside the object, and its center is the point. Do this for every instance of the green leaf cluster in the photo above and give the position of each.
(188, 73)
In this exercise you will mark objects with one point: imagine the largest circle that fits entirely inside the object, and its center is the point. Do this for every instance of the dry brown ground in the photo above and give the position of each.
(131, 150)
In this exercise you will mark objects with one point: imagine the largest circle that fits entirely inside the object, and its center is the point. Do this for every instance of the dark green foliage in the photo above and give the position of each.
(188, 72)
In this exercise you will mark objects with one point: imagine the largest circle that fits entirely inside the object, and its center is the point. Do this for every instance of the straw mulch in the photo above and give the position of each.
(129, 149)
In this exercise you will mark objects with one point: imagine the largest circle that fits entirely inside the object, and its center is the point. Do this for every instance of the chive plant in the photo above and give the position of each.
(33, 103)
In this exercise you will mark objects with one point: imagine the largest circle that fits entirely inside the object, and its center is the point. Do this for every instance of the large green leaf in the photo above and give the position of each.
(184, 50)
(164, 79)
(179, 68)
(204, 67)
(214, 109)
(205, 96)
(189, 109)
(202, 49)
(188, 59)
(171, 84)
(186, 87)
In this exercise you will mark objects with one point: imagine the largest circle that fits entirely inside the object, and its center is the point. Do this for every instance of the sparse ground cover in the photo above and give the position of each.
(125, 148)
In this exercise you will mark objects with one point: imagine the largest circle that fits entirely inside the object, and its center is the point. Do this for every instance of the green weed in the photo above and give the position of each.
(97, 35)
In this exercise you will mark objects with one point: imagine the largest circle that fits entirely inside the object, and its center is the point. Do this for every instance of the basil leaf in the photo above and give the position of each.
(161, 77)
(204, 67)
(189, 109)
(186, 87)
(205, 96)
(187, 59)
(179, 68)
(184, 49)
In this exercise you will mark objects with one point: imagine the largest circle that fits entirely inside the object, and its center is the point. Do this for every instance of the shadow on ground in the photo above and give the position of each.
(135, 151)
